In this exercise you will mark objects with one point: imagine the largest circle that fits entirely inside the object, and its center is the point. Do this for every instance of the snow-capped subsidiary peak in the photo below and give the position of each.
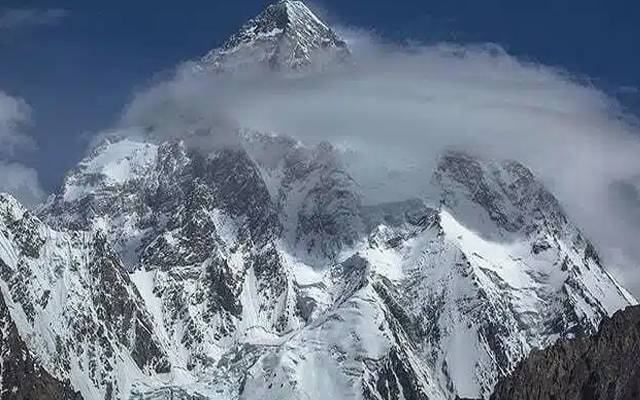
(496, 272)
(114, 162)
(286, 35)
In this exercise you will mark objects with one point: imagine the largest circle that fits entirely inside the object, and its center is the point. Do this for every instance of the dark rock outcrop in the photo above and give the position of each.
(603, 367)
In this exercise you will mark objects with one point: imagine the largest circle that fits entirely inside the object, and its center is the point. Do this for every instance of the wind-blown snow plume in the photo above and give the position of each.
(395, 109)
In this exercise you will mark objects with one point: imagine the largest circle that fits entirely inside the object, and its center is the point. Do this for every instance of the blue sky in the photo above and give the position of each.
(77, 62)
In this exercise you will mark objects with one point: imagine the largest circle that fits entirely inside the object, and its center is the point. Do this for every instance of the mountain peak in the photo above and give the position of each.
(296, 12)
(285, 35)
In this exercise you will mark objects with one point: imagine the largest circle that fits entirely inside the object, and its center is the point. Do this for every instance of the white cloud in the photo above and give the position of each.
(399, 108)
(14, 115)
(18, 18)
(15, 178)
(21, 182)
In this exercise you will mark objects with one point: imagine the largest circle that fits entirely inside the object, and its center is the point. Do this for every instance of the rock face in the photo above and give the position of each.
(77, 308)
(21, 378)
(255, 271)
(601, 367)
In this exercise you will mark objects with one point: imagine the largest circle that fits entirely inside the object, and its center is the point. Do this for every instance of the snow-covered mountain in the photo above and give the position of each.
(256, 272)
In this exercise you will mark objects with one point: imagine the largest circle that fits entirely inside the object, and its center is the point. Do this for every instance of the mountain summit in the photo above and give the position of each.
(286, 35)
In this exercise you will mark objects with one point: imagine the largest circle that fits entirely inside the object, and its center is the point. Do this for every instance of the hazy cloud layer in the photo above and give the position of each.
(18, 18)
(397, 109)
(21, 182)
(16, 178)
(14, 115)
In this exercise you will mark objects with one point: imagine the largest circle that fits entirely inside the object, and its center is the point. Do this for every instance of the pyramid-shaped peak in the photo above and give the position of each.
(286, 34)
(294, 12)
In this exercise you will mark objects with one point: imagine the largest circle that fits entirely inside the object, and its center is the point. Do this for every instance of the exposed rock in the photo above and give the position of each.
(603, 367)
